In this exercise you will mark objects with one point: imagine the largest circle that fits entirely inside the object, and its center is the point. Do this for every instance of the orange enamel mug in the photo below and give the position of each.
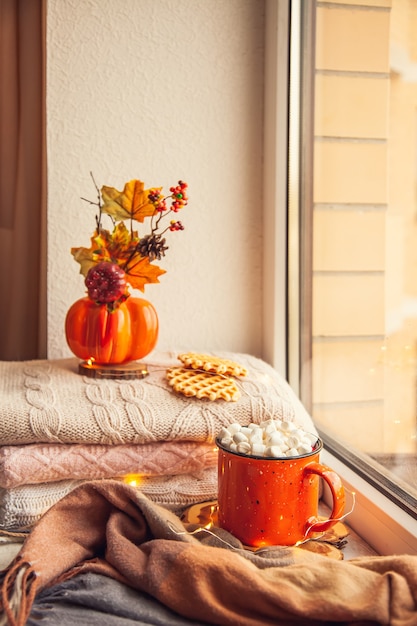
(265, 501)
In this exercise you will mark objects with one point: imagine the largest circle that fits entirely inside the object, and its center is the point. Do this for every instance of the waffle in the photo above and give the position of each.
(212, 364)
(203, 384)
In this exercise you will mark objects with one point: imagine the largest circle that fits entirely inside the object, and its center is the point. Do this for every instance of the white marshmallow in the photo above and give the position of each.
(256, 436)
(275, 438)
(275, 451)
(239, 436)
(243, 447)
(288, 426)
(292, 452)
(224, 433)
(293, 441)
(270, 428)
(258, 449)
(311, 437)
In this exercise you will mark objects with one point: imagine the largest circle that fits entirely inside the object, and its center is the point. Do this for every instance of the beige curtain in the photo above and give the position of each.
(22, 180)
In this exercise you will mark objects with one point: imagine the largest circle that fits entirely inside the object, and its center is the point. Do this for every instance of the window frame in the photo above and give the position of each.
(384, 515)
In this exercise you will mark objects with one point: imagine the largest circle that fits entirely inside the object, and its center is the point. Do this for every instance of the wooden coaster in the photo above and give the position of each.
(126, 371)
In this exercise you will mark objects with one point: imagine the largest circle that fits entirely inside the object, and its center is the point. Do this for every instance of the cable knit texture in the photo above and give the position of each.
(21, 508)
(49, 402)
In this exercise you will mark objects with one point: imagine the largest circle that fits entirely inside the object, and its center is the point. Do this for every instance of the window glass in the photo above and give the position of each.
(361, 367)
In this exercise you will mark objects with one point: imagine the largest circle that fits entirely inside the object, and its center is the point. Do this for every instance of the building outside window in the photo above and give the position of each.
(357, 296)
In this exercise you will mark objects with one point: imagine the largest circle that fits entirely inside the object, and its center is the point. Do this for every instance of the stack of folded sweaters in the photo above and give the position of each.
(59, 428)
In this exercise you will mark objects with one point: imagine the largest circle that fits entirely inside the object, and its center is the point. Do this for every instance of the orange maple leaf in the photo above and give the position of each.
(141, 271)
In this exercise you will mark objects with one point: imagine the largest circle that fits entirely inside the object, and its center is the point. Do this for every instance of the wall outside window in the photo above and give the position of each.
(364, 280)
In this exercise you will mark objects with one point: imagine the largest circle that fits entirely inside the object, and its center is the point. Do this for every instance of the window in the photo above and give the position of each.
(352, 253)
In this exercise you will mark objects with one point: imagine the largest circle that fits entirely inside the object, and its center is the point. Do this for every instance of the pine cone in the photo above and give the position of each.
(152, 246)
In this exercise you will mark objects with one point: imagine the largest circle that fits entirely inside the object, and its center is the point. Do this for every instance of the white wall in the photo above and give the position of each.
(161, 90)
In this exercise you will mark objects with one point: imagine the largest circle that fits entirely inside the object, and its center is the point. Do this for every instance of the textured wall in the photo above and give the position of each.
(161, 90)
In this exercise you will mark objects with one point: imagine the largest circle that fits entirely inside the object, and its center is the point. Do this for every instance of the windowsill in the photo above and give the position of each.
(355, 545)
(385, 527)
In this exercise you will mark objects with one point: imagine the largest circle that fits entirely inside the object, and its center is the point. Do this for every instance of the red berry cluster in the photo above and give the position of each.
(179, 194)
(175, 225)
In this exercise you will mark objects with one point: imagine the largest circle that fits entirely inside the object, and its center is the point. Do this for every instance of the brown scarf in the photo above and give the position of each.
(111, 528)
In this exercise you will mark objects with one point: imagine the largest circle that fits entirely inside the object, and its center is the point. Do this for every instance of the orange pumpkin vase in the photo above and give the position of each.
(109, 326)
(127, 333)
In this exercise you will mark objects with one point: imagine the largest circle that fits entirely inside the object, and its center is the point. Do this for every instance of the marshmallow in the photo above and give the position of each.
(293, 441)
(275, 438)
(304, 448)
(311, 437)
(287, 426)
(275, 451)
(256, 437)
(292, 452)
(271, 438)
(243, 447)
(238, 437)
(258, 449)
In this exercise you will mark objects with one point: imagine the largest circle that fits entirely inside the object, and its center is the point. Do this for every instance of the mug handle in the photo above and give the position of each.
(338, 495)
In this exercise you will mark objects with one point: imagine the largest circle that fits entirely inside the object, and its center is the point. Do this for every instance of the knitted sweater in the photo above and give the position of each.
(48, 401)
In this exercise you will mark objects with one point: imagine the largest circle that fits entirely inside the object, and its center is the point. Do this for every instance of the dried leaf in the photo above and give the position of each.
(325, 549)
(141, 271)
(86, 257)
(131, 203)
(119, 246)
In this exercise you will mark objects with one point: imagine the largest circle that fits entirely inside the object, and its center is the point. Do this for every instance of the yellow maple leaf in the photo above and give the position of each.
(85, 257)
(131, 203)
(101, 249)
(119, 246)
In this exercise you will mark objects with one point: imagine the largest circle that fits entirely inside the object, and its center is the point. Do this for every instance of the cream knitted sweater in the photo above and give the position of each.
(50, 402)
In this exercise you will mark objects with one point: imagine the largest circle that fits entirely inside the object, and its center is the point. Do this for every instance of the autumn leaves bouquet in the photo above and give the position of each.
(109, 325)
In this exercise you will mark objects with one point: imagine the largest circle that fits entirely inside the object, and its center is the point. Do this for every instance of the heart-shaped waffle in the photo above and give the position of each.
(192, 383)
(214, 364)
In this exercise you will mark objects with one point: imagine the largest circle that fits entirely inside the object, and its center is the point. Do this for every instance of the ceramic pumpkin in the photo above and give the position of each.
(127, 333)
